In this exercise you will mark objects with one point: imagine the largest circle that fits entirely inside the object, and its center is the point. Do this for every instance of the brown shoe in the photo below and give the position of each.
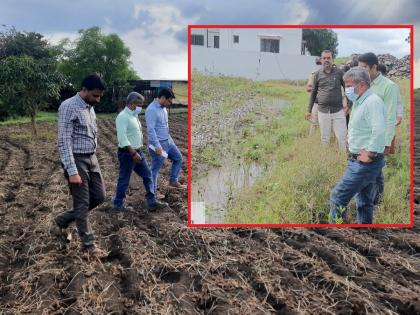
(177, 185)
(96, 252)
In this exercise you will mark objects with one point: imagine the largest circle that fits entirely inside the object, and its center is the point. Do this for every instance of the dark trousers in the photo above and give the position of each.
(86, 196)
(127, 166)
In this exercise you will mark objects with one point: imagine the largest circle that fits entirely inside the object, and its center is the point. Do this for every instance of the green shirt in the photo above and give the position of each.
(388, 92)
(129, 129)
(367, 125)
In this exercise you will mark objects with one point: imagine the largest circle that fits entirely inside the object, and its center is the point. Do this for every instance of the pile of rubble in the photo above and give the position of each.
(397, 68)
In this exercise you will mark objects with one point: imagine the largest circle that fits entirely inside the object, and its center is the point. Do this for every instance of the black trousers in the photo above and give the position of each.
(86, 197)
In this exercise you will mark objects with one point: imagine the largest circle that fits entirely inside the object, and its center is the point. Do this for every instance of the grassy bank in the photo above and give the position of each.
(297, 188)
(301, 173)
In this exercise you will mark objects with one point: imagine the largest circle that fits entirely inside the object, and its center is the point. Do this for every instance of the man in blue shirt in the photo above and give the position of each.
(161, 145)
(366, 142)
(131, 156)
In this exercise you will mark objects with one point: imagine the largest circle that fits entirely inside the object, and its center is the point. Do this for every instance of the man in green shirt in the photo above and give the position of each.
(366, 141)
(131, 156)
(388, 91)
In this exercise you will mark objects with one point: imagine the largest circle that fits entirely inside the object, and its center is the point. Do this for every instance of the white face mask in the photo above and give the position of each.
(137, 110)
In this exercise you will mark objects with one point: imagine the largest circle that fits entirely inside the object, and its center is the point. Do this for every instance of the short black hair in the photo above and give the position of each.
(354, 61)
(93, 82)
(369, 58)
(166, 93)
(382, 68)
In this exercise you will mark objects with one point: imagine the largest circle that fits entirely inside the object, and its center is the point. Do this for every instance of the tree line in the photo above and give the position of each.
(37, 75)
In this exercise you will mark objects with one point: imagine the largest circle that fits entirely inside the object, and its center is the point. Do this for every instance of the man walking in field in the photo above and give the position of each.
(161, 145)
(366, 140)
(388, 91)
(327, 85)
(131, 155)
(77, 142)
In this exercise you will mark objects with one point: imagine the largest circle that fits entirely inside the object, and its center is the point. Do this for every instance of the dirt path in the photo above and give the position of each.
(159, 266)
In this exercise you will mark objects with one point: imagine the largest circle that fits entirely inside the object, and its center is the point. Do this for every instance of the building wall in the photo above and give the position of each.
(249, 38)
(252, 65)
(244, 59)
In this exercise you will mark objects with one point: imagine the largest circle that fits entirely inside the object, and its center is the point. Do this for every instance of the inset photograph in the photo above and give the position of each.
(298, 126)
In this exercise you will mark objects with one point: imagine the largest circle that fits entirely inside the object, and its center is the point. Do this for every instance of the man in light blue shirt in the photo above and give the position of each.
(131, 156)
(161, 145)
(366, 141)
(388, 91)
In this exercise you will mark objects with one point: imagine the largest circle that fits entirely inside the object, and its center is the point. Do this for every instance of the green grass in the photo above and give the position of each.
(341, 60)
(40, 117)
(302, 172)
(297, 188)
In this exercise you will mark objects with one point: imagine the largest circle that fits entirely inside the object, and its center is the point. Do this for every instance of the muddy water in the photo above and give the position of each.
(218, 187)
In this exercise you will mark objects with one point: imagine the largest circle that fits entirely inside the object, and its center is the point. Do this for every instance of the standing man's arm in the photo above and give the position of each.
(314, 92)
(151, 119)
(346, 107)
(390, 99)
(121, 125)
(375, 116)
(65, 145)
(400, 109)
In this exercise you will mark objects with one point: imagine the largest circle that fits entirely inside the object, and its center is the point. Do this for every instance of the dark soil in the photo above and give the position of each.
(157, 265)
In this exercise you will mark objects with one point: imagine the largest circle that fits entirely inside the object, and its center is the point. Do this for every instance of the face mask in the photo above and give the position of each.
(351, 95)
(137, 110)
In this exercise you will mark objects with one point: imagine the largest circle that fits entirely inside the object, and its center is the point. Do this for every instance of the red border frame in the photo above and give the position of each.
(409, 225)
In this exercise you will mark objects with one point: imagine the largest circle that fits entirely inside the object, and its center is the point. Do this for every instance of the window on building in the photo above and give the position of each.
(213, 38)
(236, 39)
(270, 45)
(216, 41)
(197, 39)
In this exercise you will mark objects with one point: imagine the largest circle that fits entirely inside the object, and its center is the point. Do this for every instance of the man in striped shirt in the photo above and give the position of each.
(77, 143)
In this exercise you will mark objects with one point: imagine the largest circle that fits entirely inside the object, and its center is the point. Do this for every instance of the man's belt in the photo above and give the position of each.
(126, 150)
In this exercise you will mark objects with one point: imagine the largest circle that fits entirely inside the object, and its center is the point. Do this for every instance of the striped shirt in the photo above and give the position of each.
(77, 131)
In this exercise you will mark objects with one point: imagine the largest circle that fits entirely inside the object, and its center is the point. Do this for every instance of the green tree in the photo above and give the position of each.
(93, 52)
(318, 40)
(29, 78)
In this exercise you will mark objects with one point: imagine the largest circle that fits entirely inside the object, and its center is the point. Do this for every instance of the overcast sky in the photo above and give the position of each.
(155, 31)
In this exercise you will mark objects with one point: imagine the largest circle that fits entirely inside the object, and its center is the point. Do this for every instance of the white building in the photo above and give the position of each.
(253, 53)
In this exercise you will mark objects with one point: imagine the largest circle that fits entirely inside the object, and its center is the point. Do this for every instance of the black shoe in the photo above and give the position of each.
(122, 209)
(157, 205)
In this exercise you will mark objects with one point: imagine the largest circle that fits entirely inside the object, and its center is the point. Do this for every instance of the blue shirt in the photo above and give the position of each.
(77, 131)
(157, 124)
(129, 129)
(367, 125)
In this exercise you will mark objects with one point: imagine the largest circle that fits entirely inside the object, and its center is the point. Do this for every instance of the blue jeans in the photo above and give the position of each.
(157, 161)
(359, 180)
(127, 165)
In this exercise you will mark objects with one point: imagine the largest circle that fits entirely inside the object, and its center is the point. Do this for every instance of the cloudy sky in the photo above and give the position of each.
(155, 31)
